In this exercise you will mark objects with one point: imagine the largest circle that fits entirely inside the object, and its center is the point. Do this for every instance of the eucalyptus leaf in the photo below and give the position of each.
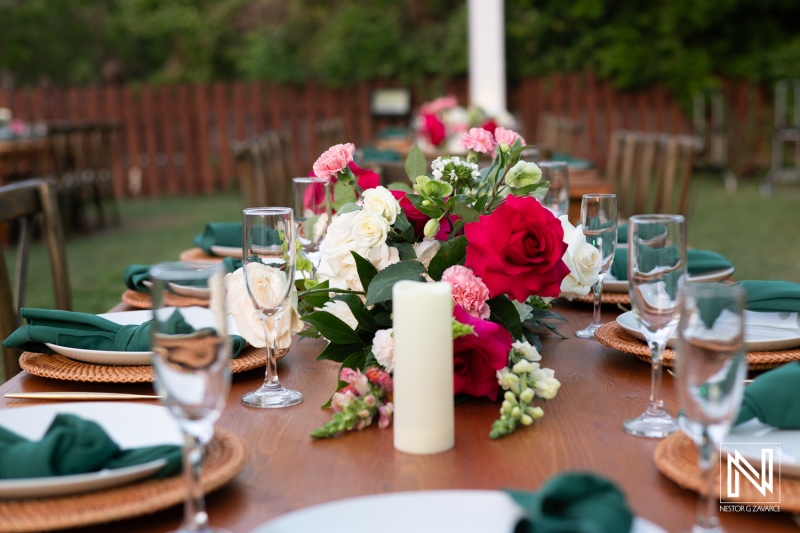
(380, 289)
(452, 252)
(415, 164)
(332, 327)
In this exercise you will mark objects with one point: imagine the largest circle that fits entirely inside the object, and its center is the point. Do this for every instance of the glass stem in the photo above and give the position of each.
(656, 405)
(271, 380)
(597, 290)
(707, 519)
(195, 516)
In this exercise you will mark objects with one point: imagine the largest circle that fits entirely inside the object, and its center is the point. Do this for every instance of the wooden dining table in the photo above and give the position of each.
(581, 430)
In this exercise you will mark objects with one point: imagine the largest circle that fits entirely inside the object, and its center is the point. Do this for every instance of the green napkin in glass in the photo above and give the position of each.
(73, 445)
(136, 275)
(575, 502)
(774, 398)
(698, 261)
(91, 332)
(622, 234)
(772, 296)
(220, 234)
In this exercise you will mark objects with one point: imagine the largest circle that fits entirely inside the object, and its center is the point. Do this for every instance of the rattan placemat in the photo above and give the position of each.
(613, 298)
(141, 300)
(197, 254)
(614, 336)
(226, 456)
(676, 458)
(61, 367)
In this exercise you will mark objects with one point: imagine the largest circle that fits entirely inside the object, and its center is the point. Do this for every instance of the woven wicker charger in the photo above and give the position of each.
(61, 367)
(614, 336)
(612, 298)
(676, 458)
(226, 456)
(141, 300)
(197, 254)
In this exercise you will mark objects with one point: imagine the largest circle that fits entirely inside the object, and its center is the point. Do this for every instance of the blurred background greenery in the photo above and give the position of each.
(680, 44)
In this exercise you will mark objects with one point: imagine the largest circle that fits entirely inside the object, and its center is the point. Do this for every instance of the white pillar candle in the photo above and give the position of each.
(487, 55)
(423, 367)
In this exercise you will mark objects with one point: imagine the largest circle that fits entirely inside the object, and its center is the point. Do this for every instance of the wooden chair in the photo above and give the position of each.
(329, 132)
(265, 167)
(23, 202)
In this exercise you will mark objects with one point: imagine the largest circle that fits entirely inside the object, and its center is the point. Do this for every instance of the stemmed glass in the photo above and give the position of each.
(711, 368)
(557, 197)
(268, 258)
(599, 221)
(191, 366)
(312, 210)
(656, 276)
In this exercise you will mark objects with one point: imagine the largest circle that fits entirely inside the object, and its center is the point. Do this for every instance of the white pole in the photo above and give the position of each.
(487, 55)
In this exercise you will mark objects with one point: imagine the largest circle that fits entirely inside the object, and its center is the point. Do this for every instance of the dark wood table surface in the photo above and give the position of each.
(581, 429)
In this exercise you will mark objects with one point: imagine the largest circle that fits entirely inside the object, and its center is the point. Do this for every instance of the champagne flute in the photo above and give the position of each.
(599, 220)
(556, 198)
(191, 366)
(312, 210)
(268, 259)
(656, 276)
(711, 368)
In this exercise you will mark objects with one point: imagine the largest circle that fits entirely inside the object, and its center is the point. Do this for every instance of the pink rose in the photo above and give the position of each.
(469, 291)
(479, 140)
(438, 105)
(334, 160)
(477, 358)
(503, 135)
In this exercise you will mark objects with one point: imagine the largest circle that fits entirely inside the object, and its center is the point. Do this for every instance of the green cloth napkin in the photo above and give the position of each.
(219, 234)
(774, 398)
(73, 445)
(622, 234)
(575, 502)
(136, 275)
(698, 261)
(772, 296)
(393, 132)
(374, 155)
(91, 332)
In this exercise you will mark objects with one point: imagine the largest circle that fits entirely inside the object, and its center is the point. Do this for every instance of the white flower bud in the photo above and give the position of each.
(431, 228)
(526, 420)
(527, 395)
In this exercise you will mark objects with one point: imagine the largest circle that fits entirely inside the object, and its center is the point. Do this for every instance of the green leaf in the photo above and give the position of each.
(355, 360)
(319, 299)
(344, 194)
(400, 186)
(383, 319)
(415, 164)
(467, 213)
(503, 312)
(339, 352)
(481, 203)
(366, 270)
(347, 208)
(526, 190)
(401, 222)
(406, 250)
(380, 289)
(332, 327)
(430, 210)
(364, 317)
(452, 252)
(458, 227)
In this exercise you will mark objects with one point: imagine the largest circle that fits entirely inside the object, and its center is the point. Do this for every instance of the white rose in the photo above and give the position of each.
(582, 259)
(383, 348)
(426, 249)
(380, 200)
(342, 311)
(268, 284)
(369, 229)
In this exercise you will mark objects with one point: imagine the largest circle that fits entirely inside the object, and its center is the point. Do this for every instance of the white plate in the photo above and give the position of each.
(129, 425)
(758, 337)
(614, 285)
(198, 317)
(465, 511)
(204, 293)
(227, 251)
(747, 437)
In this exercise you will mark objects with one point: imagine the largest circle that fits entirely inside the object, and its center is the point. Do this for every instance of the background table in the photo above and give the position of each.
(581, 429)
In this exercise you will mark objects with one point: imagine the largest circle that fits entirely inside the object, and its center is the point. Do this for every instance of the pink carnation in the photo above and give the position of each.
(479, 140)
(333, 161)
(469, 291)
(503, 135)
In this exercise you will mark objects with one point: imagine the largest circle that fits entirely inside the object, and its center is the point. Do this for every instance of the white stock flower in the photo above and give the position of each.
(426, 249)
(267, 284)
(380, 200)
(583, 260)
(383, 348)
(546, 385)
(526, 351)
(342, 311)
(525, 366)
(369, 229)
(507, 379)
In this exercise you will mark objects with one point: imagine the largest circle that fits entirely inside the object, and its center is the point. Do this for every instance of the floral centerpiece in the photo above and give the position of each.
(481, 230)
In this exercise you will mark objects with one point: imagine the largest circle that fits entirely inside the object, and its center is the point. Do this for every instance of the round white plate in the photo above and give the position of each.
(204, 293)
(198, 317)
(227, 251)
(129, 425)
(746, 438)
(757, 337)
(465, 511)
(614, 285)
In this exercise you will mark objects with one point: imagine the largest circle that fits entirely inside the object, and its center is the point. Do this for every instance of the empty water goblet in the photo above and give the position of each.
(312, 210)
(557, 197)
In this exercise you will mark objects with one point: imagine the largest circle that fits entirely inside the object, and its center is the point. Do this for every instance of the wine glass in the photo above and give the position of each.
(557, 197)
(268, 259)
(190, 358)
(312, 210)
(599, 221)
(656, 276)
(711, 368)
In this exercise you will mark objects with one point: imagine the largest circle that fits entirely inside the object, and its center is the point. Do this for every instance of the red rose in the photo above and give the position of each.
(490, 125)
(517, 250)
(435, 129)
(365, 177)
(418, 219)
(477, 358)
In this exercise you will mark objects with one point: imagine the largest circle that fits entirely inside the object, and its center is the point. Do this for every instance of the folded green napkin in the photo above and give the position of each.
(772, 296)
(698, 261)
(219, 234)
(136, 275)
(774, 398)
(372, 154)
(575, 502)
(73, 445)
(622, 234)
(91, 332)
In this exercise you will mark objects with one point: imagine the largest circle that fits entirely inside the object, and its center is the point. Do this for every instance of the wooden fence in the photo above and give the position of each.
(176, 139)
